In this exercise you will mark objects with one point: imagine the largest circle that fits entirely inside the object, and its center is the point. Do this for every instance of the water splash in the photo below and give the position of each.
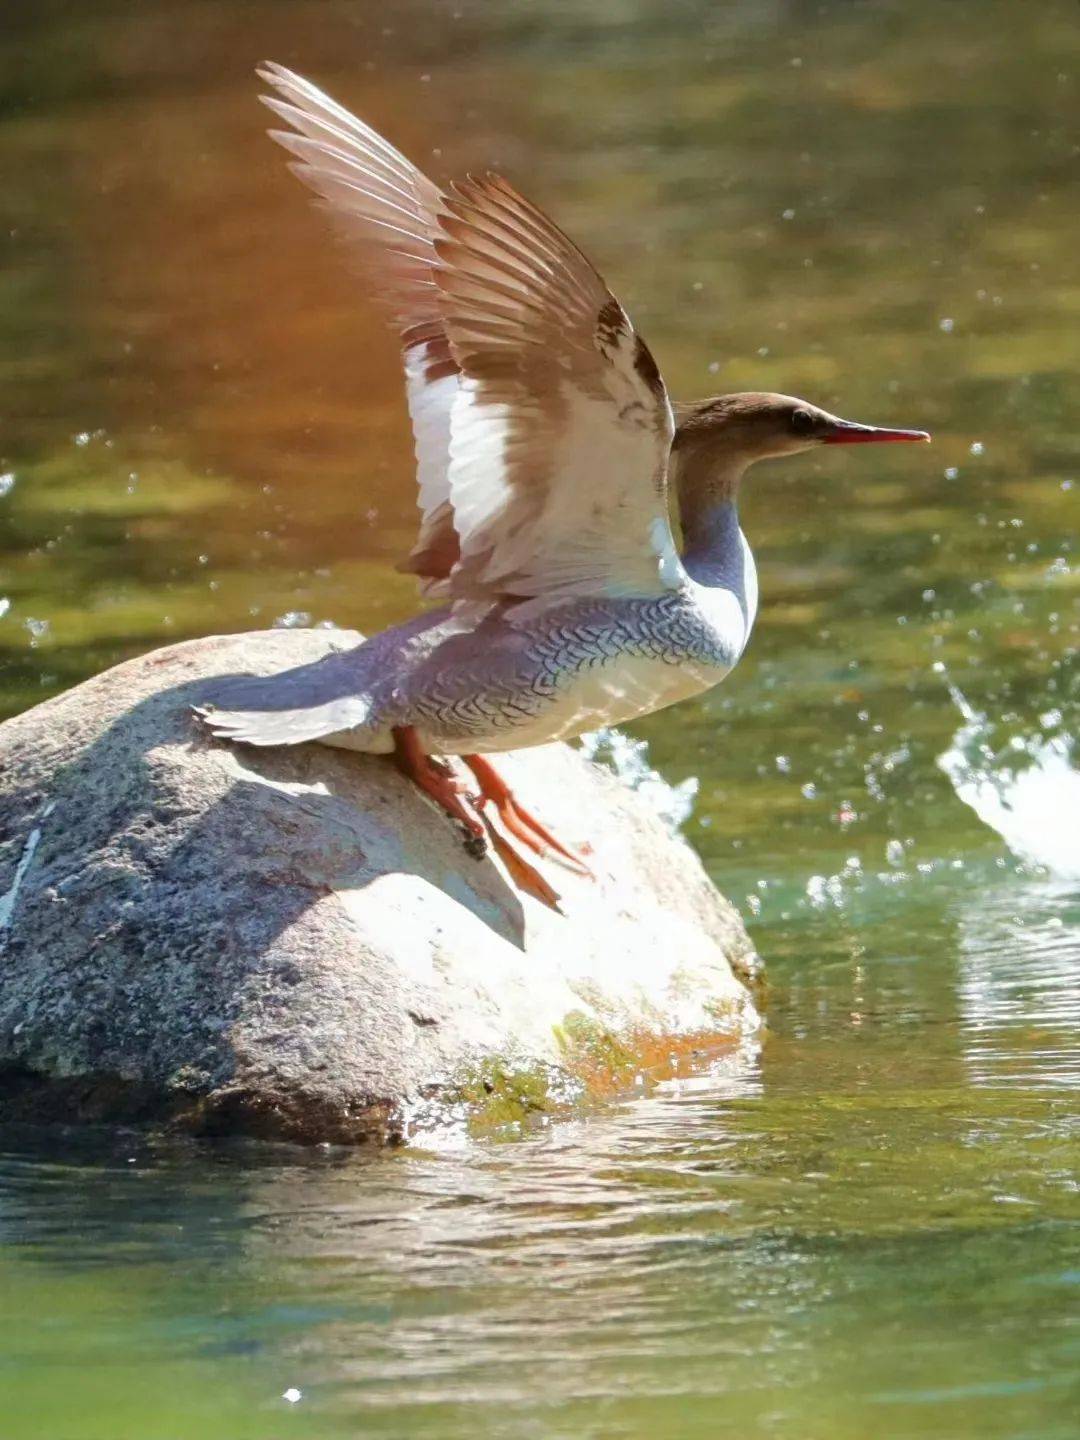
(1029, 792)
(629, 759)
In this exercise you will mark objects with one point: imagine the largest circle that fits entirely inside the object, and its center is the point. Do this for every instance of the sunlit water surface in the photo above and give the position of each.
(870, 1229)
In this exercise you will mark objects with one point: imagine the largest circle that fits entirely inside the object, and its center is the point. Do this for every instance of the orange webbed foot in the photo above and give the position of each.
(519, 821)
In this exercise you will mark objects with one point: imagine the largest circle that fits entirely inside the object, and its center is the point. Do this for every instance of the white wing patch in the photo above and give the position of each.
(430, 404)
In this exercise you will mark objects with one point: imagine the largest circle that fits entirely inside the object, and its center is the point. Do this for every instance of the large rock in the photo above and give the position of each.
(294, 942)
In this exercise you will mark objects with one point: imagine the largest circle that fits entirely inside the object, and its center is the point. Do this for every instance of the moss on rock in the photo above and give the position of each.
(597, 1064)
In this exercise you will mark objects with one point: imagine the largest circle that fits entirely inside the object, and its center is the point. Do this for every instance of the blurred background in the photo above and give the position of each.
(869, 1228)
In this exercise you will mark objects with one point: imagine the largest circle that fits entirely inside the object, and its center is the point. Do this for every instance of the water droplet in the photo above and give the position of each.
(7, 483)
(38, 630)
(977, 447)
(946, 325)
(815, 889)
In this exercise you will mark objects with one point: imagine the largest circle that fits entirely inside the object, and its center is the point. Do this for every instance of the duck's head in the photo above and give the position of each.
(755, 426)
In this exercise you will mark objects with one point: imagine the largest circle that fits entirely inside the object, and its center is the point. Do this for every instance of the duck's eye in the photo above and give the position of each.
(802, 422)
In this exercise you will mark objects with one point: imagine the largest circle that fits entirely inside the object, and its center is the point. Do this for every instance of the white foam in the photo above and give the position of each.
(1032, 807)
(629, 759)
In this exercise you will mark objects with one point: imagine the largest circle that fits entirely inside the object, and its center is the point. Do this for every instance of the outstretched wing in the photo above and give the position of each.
(561, 428)
(387, 209)
(542, 425)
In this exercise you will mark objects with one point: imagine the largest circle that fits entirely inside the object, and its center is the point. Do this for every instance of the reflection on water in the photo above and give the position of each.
(871, 1229)
(1019, 988)
(879, 1253)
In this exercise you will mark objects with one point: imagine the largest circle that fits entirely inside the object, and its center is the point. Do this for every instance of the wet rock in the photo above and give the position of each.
(294, 942)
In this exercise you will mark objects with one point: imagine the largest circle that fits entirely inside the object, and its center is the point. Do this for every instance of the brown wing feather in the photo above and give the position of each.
(387, 210)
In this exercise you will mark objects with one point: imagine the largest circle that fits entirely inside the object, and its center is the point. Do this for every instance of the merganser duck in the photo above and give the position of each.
(545, 444)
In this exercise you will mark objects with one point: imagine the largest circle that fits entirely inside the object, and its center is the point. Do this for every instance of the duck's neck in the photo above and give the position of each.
(708, 488)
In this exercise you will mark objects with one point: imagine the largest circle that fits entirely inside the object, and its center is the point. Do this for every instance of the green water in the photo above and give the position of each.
(869, 1229)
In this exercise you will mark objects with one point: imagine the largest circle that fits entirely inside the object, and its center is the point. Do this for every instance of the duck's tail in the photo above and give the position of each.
(276, 727)
(264, 710)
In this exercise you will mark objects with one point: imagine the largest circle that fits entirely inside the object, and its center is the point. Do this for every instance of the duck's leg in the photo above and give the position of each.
(514, 816)
(437, 780)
